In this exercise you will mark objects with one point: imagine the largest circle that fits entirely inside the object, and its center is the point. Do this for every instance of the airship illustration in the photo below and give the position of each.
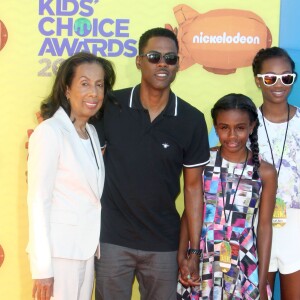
(1, 255)
(3, 35)
(220, 40)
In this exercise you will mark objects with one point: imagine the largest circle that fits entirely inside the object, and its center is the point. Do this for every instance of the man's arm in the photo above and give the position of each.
(193, 202)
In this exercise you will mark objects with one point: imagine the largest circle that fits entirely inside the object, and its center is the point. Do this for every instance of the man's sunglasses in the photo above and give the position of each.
(155, 58)
(271, 79)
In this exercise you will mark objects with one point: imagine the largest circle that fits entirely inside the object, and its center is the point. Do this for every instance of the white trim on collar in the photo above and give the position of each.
(176, 102)
(131, 96)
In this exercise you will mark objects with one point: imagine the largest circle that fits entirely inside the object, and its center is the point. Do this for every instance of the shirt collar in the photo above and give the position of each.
(135, 102)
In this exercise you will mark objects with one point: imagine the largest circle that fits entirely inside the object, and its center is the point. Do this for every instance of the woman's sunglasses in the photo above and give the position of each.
(155, 57)
(271, 79)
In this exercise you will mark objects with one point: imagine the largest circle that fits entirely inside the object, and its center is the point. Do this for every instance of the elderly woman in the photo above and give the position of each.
(65, 181)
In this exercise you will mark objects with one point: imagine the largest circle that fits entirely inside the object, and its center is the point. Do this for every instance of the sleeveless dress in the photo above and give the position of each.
(235, 223)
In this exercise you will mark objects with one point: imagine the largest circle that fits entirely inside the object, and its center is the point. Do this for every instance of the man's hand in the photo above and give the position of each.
(193, 265)
(189, 271)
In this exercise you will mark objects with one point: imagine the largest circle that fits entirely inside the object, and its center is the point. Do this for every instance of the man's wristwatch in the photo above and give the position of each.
(195, 251)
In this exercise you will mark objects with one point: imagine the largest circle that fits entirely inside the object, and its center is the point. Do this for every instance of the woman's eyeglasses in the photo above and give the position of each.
(271, 79)
(155, 57)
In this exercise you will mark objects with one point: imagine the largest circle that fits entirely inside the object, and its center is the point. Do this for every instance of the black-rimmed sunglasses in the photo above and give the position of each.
(155, 57)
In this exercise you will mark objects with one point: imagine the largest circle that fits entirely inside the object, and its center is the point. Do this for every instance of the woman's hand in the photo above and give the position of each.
(43, 288)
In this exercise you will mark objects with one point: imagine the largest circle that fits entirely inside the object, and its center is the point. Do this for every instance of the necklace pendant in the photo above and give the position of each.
(279, 214)
(225, 256)
(230, 177)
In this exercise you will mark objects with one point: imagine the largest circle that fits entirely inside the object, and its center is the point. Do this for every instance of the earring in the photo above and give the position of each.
(67, 102)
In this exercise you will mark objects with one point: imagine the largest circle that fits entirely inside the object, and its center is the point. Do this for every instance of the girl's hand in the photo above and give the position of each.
(263, 293)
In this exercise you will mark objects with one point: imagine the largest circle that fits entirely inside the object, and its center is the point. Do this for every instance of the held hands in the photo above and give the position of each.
(43, 289)
(189, 270)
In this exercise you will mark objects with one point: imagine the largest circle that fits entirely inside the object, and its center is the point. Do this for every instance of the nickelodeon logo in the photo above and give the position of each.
(225, 39)
(3, 35)
(220, 40)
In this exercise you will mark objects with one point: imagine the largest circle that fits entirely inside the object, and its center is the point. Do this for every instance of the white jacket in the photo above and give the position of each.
(64, 191)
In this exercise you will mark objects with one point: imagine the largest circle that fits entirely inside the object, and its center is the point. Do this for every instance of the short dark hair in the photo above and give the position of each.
(156, 32)
(65, 76)
(267, 53)
(243, 103)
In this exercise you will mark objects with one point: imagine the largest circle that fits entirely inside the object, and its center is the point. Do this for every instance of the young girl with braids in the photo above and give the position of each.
(279, 144)
(238, 187)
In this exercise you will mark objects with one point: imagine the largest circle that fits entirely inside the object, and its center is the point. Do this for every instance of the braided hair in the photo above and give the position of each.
(264, 54)
(244, 103)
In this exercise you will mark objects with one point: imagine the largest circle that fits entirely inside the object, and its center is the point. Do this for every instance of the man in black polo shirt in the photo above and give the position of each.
(151, 135)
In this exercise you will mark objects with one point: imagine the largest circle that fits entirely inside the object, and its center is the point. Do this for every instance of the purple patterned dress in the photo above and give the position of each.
(234, 223)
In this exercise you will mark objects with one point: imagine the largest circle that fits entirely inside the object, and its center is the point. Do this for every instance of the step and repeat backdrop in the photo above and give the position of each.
(218, 40)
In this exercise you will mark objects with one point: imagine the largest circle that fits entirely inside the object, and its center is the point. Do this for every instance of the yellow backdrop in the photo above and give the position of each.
(36, 30)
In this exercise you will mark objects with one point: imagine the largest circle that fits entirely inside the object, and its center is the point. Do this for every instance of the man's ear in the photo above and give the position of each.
(138, 62)
(177, 67)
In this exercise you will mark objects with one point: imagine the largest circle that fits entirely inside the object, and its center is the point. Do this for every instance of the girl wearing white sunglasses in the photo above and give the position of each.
(279, 144)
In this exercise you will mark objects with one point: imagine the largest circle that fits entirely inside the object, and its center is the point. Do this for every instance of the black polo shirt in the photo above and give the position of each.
(143, 163)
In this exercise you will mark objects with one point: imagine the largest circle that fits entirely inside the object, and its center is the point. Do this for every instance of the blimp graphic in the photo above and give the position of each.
(3, 35)
(220, 40)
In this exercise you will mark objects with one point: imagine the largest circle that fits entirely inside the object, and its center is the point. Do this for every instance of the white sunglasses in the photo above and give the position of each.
(271, 79)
